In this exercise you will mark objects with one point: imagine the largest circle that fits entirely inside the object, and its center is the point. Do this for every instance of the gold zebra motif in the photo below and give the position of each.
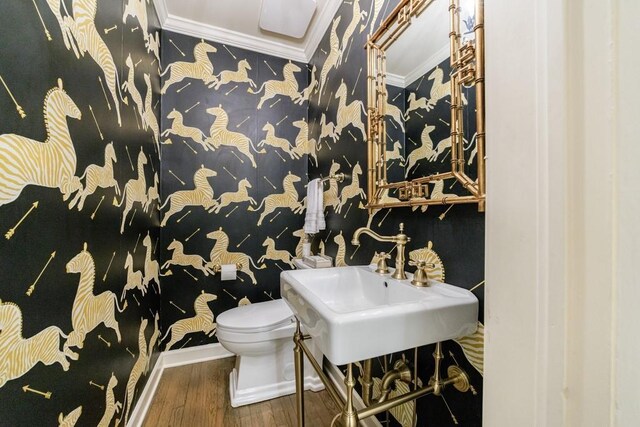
(352, 189)
(201, 322)
(240, 196)
(90, 310)
(438, 191)
(219, 135)
(274, 254)
(136, 372)
(349, 114)
(306, 92)
(111, 406)
(327, 129)
(274, 141)
(304, 144)
(98, 177)
(435, 267)
(81, 34)
(200, 69)
(135, 190)
(415, 104)
(439, 89)
(130, 86)
(153, 340)
(152, 194)
(384, 198)
(178, 257)
(18, 355)
(134, 278)
(51, 163)
(138, 9)
(201, 195)
(356, 17)
(149, 119)
(334, 54)
(473, 348)
(396, 153)
(289, 198)
(376, 7)
(424, 151)
(395, 113)
(151, 267)
(288, 86)
(300, 234)
(221, 255)
(342, 250)
(331, 197)
(179, 129)
(239, 76)
(71, 419)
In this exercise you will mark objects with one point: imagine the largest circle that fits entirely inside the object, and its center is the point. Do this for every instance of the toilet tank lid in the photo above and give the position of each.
(258, 317)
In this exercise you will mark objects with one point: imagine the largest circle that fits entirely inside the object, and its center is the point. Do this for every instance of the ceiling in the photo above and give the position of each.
(236, 22)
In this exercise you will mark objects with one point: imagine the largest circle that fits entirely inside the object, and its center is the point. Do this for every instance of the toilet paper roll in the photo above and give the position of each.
(228, 272)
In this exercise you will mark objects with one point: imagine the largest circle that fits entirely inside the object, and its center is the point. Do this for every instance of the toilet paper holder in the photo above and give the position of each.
(217, 267)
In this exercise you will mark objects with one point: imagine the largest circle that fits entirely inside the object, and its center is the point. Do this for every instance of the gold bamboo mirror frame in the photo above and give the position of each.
(466, 59)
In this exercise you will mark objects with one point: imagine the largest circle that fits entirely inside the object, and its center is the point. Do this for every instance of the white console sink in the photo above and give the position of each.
(354, 313)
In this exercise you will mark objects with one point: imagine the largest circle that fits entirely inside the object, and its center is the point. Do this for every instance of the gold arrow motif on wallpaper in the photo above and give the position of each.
(96, 122)
(133, 216)
(33, 285)
(347, 160)
(136, 245)
(46, 31)
(188, 212)
(108, 344)
(174, 304)
(230, 294)
(356, 83)
(192, 234)
(272, 105)
(179, 50)
(237, 157)
(191, 275)
(108, 30)
(18, 107)
(104, 92)
(183, 87)
(134, 29)
(192, 107)
(101, 387)
(242, 122)
(243, 240)
(270, 183)
(130, 352)
(267, 294)
(46, 395)
(230, 53)
(230, 212)
(104, 278)
(232, 175)
(176, 177)
(231, 90)
(93, 215)
(282, 232)
(13, 229)
(267, 64)
(444, 214)
(476, 286)
(136, 298)
(126, 147)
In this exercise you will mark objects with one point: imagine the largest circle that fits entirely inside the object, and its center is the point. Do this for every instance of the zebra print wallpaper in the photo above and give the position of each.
(79, 176)
(235, 150)
(455, 235)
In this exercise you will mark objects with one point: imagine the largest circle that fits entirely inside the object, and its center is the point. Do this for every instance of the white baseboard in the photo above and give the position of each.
(337, 377)
(171, 359)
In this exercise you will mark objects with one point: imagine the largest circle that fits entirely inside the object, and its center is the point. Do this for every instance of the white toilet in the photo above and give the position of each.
(261, 336)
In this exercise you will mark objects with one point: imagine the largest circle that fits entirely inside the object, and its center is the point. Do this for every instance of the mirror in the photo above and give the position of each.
(426, 105)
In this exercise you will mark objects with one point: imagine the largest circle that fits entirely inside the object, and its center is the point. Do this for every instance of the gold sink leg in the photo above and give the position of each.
(298, 356)
(349, 417)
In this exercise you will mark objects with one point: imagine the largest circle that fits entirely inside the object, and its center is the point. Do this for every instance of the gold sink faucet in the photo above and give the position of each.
(399, 239)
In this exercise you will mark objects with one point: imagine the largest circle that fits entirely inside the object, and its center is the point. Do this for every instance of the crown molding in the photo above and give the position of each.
(233, 38)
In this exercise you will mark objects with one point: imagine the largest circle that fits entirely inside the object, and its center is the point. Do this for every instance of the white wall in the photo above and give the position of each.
(562, 212)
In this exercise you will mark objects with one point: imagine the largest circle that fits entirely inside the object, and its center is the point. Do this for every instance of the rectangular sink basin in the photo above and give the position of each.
(354, 313)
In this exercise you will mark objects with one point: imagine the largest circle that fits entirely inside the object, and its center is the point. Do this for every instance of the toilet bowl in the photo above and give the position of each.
(261, 336)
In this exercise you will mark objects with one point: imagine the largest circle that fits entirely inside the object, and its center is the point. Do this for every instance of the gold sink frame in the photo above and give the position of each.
(467, 63)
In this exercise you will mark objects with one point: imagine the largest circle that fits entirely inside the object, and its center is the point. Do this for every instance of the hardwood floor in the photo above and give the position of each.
(198, 395)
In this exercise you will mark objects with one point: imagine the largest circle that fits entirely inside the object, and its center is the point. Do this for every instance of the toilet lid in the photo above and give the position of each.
(259, 317)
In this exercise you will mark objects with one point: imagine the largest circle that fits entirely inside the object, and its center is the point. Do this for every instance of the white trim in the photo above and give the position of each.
(337, 377)
(201, 353)
(200, 30)
(171, 359)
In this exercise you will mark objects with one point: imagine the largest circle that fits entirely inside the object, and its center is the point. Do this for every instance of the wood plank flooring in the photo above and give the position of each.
(198, 395)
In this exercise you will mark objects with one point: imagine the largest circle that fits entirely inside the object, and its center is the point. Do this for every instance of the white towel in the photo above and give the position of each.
(314, 217)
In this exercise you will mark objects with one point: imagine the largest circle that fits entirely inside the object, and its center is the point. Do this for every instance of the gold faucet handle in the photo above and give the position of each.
(420, 277)
(382, 267)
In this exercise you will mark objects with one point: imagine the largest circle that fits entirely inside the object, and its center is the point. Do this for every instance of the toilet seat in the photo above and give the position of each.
(256, 322)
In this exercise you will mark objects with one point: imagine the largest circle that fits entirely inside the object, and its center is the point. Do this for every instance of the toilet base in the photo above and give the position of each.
(246, 396)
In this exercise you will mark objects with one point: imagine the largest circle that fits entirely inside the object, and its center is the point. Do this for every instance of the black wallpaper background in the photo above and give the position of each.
(30, 65)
